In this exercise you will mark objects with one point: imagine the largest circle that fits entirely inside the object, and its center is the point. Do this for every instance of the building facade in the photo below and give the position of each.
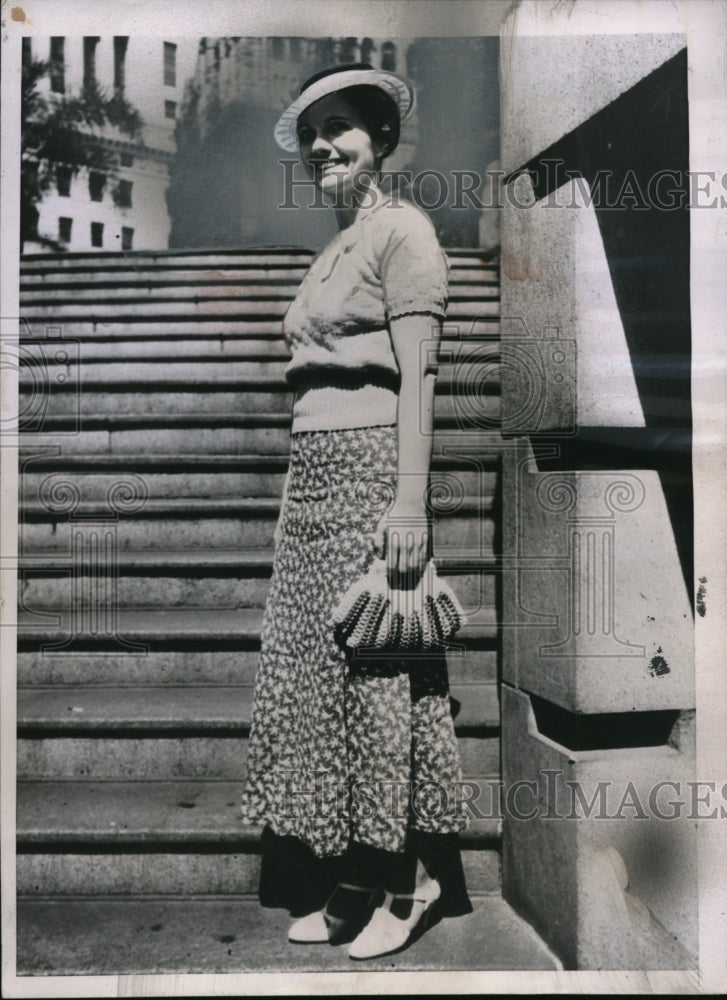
(87, 210)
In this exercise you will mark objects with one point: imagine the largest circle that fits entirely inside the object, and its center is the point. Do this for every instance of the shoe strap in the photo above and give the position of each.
(424, 894)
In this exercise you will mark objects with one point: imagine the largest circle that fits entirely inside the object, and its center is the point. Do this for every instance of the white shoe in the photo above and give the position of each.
(311, 929)
(347, 910)
(386, 933)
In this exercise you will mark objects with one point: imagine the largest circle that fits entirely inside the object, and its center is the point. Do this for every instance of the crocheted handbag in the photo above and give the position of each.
(371, 615)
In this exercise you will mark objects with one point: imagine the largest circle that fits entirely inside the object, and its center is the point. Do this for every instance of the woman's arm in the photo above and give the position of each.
(403, 534)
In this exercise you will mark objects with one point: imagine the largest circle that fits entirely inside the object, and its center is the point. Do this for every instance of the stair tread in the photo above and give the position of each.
(210, 309)
(76, 708)
(99, 349)
(249, 506)
(191, 292)
(187, 376)
(113, 812)
(242, 558)
(112, 936)
(203, 624)
(196, 461)
(223, 281)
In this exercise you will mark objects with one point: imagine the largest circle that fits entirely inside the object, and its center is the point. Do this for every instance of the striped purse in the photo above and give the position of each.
(373, 616)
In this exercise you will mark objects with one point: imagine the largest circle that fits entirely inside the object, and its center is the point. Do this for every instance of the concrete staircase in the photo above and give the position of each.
(157, 435)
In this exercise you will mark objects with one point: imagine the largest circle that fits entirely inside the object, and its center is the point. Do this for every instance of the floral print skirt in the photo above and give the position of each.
(343, 750)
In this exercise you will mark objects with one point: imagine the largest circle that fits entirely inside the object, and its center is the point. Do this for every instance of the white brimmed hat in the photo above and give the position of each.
(359, 74)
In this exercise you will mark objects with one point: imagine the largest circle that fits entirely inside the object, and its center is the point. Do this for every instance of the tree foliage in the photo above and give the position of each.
(65, 132)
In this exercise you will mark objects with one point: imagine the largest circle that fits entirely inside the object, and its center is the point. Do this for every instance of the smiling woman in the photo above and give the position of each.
(353, 764)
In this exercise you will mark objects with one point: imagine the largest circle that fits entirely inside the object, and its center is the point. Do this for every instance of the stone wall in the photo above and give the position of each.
(598, 673)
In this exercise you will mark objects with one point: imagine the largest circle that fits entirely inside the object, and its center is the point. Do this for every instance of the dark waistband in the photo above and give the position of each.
(343, 378)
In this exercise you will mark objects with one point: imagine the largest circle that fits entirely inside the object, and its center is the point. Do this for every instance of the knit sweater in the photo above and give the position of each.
(388, 263)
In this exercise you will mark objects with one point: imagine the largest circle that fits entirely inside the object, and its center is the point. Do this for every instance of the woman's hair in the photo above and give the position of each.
(378, 112)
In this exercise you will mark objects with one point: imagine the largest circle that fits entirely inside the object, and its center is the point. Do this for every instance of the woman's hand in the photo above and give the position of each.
(403, 538)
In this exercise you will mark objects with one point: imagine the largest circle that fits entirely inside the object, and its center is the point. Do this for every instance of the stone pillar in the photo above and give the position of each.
(599, 849)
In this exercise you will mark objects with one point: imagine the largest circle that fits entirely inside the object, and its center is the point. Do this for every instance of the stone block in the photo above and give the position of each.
(578, 71)
(598, 618)
(565, 359)
(599, 846)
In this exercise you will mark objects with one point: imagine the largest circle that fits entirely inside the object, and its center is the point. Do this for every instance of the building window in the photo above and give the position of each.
(96, 183)
(367, 48)
(127, 238)
(295, 50)
(348, 50)
(64, 229)
(89, 60)
(324, 52)
(170, 109)
(388, 57)
(127, 160)
(278, 48)
(121, 43)
(63, 180)
(123, 194)
(170, 64)
(57, 65)
(97, 234)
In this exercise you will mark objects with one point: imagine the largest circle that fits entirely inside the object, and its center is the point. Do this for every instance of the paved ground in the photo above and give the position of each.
(235, 935)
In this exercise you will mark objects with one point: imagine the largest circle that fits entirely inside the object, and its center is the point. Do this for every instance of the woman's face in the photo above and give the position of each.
(335, 145)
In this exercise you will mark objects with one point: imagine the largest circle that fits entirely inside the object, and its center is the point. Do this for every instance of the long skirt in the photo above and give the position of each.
(353, 763)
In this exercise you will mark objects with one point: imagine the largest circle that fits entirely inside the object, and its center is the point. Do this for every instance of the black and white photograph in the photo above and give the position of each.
(363, 436)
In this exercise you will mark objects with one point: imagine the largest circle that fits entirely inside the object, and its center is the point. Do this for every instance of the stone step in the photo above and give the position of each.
(210, 348)
(167, 440)
(188, 755)
(148, 399)
(94, 486)
(214, 257)
(265, 308)
(119, 824)
(229, 871)
(66, 413)
(453, 349)
(455, 535)
(49, 583)
(184, 375)
(138, 261)
(38, 295)
(228, 441)
(55, 508)
(267, 432)
(194, 628)
(188, 665)
(152, 281)
(185, 327)
(179, 935)
(110, 814)
(181, 328)
(458, 456)
(148, 278)
(80, 710)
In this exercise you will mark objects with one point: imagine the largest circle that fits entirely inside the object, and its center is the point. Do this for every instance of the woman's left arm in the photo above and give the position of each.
(403, 535)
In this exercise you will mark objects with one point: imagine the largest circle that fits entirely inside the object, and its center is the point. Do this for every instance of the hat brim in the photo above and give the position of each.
(396, 87)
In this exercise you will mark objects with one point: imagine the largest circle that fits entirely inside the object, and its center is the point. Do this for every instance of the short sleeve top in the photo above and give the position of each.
(387, 264)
